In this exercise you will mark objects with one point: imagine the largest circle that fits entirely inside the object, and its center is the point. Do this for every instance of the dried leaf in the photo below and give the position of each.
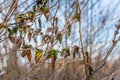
(77, 16)
(55, 29)
(19, 44)
(38, 55)
(24, 53)
(48, 30)
(44, 9)
(45, 38)
(27, 53)
(20, 18)
(52, 39)
(53, 59)
(88, 57)
(2, 25)
(65, 52)
(17, 41)
(75, 51)
(29, 56)
(46, 16)
(59, 37)
(56, 20)
(29, 36)
(31, 15)
(118, 26)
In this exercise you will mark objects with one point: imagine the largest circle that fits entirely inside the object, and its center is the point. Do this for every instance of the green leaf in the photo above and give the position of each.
(15, 29)
(24, 30)
(38, 55)
(11, 32)
(69, 30)
(21, 15)
(34, 7)
(39, 21)
(52, 53)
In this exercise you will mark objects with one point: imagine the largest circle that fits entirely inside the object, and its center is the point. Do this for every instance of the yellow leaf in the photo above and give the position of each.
(38, 55)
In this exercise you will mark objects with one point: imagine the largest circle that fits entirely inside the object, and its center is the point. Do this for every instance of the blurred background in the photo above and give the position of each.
(98, 22)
